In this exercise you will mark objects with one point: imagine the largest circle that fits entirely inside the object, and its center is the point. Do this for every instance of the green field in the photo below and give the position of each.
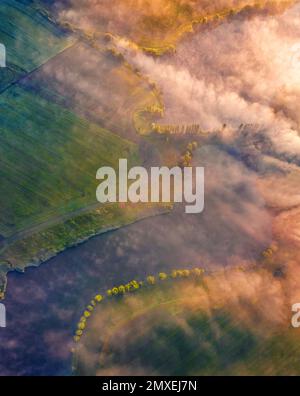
(30, 38)
(49, 158)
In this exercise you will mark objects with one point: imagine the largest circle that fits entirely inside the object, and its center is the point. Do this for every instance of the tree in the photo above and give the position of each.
(162, 276)
(185, 273)
(81, 325)
(135, 284)
(122, 289)
(115, 291)
(151, 280)
(98, 298)
(197, 271)
(87, 314)
(190, 147)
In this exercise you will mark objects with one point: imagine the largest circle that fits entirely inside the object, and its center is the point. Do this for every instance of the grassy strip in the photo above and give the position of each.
(41, 246)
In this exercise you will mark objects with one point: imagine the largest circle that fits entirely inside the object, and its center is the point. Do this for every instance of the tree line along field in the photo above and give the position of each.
(156, 27)
(187, 324)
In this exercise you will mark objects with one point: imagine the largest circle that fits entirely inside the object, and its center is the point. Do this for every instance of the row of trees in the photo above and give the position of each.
(130, 287)
(170, 129)
(186, 158)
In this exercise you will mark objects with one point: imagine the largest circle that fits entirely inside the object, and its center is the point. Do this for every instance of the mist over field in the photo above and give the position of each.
(239, 79)
(242, 72)
(113, 70)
